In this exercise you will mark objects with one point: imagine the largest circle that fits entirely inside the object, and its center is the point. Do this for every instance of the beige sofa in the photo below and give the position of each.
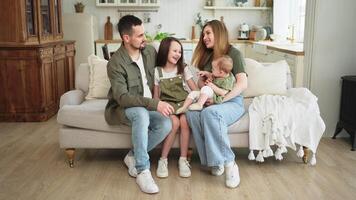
(83, 125)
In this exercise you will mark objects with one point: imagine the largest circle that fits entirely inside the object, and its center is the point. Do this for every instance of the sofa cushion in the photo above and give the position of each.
(99, 83)
(89, 115)
(271, 79)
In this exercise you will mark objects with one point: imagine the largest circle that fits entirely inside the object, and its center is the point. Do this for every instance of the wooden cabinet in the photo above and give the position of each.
(36, 65)
(33, 79)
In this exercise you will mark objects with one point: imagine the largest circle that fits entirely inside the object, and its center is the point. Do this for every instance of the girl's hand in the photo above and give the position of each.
(209, 102)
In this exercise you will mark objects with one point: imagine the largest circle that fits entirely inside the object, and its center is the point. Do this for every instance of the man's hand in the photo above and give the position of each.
(165, 108)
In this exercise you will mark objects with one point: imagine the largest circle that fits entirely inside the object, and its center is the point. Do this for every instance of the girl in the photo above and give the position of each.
(173, 82)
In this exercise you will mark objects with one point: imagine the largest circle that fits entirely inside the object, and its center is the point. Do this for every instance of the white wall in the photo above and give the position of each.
(334, 55)
(176, 16)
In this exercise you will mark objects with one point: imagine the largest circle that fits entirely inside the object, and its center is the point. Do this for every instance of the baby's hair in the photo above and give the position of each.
(224, 63)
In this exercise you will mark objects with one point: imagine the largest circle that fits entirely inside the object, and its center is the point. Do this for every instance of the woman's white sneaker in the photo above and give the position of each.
(184, 167)
(146, 182)
(217, 170)
(232, 176)
(162, 168)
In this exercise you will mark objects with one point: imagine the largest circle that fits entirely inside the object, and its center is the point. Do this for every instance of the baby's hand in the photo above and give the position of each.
(204, 74)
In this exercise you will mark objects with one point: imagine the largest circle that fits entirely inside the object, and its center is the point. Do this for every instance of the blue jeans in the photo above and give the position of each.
(210, 131)
(149, 128)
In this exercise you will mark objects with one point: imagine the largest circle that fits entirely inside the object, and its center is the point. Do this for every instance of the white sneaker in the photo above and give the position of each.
(162, 168)
(184, 167)
(130, 164)
(232, 176)
(217, 170)
(146, 182)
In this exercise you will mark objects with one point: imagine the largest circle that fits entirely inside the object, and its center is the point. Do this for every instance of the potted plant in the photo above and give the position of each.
(79, 7)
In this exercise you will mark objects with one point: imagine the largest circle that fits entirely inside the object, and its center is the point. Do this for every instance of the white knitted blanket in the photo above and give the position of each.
(285, 121)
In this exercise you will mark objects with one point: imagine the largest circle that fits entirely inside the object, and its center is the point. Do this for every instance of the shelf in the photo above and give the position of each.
(235, 8)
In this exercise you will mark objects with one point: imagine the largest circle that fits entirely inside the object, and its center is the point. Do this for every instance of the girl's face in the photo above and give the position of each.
(174, 53)
(208, 37)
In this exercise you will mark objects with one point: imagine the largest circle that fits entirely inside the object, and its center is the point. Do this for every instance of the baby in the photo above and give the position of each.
(217, 84)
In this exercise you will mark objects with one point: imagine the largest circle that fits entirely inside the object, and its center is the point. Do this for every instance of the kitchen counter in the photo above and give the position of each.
(286, 47)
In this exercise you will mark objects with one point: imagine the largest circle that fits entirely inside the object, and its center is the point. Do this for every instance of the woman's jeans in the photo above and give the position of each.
(149, 128)
(210, 131)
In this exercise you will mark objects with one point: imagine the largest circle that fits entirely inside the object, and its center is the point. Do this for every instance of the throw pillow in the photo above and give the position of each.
(270, 79)
(99, 83)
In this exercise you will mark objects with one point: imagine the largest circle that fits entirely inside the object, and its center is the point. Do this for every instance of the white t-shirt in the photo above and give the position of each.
(146, 89)
(187, 75)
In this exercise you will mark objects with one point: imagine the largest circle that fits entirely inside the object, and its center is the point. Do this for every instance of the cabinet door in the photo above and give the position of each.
(45, 20)
(47, 77)
(58, 32)
(149, 2)
(70, 66)
(128, 2)
(59, 70)
(31, 22)
(20, 84)
(106, 2)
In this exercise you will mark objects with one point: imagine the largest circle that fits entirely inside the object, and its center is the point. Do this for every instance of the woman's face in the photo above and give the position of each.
(208, 37)
(174, 53)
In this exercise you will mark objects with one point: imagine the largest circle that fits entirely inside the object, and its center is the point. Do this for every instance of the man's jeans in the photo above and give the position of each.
(149, 128)
(210, 131)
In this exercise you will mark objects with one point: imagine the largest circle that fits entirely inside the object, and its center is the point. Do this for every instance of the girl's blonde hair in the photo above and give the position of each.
(221, 44)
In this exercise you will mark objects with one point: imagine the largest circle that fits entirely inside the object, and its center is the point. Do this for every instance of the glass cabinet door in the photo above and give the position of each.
(106, 2)
(150, 2)
(30, 18)
(57, 17)
(127, 2)
(45, 12)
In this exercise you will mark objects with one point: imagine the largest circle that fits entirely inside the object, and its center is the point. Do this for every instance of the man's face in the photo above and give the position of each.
(137, 39)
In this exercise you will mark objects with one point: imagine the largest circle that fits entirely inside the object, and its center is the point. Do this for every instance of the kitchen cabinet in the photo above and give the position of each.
(36, 65)
(128, 3)
(262, 53)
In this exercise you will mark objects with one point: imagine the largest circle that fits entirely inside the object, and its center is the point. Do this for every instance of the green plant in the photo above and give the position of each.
(158, 37)
(199, 21)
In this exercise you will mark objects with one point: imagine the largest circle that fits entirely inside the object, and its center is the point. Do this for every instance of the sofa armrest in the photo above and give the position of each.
(72, 97)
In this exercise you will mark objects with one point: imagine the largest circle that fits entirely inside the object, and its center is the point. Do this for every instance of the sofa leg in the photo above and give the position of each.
(70, 155)
(306, 152)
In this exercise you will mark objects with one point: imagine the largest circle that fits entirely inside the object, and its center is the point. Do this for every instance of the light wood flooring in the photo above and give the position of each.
(33, 167)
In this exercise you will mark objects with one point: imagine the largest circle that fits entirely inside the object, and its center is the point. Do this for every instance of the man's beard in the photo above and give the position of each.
(142, 46)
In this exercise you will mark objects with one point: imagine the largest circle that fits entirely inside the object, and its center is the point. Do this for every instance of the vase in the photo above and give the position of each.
(79, 8)
(108, 34)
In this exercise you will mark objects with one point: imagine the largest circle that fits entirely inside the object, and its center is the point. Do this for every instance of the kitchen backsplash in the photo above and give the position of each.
(176, 16)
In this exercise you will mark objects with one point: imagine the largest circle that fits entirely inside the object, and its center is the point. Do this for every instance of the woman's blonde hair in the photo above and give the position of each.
(221, 44)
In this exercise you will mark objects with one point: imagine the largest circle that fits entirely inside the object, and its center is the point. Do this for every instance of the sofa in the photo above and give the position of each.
(83, 125)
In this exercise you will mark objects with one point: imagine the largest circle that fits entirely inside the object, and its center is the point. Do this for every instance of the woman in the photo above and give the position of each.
(210, 126)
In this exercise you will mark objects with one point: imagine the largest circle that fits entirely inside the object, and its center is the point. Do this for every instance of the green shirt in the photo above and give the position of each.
(237, 59)
(126, 84)
(226, 83)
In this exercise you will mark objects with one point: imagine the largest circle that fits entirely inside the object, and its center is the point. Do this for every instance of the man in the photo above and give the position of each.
(131, 74)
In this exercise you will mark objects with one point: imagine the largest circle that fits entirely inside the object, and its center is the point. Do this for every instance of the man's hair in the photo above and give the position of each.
(126, 23)
(224, 63)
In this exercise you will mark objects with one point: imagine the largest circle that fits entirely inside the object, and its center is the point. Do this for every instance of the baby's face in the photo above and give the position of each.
(217, 72)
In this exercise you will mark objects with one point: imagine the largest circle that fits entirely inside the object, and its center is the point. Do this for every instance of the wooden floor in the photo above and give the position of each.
(33, 167)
